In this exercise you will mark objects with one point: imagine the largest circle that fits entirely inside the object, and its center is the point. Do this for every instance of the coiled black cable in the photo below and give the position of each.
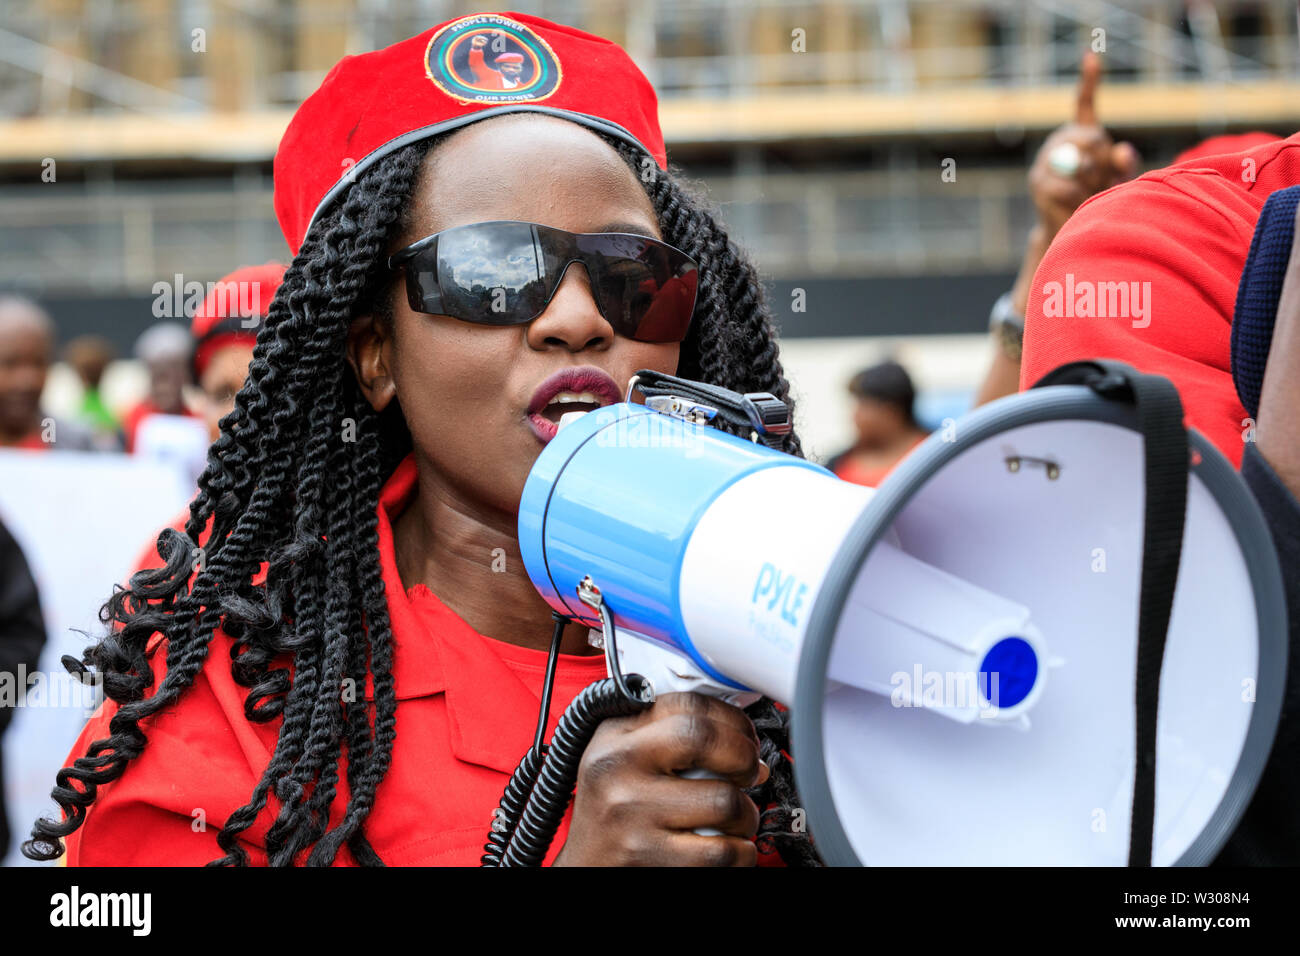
(512, 806)
(525, 776)
(535, 830)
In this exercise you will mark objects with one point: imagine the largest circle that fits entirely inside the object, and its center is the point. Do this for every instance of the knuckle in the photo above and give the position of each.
(693, 733)
(681, 702)
(601, 766)
(621, 803)
(635, 849)
(726, 803)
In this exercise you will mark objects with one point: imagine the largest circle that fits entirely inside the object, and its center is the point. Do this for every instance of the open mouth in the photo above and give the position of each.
(572, 390)
(566, 402)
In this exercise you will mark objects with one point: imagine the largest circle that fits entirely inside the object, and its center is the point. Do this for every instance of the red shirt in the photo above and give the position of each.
(1184, 231)
(32, 441)
(849, 470)
(131, 421)
(467, 711)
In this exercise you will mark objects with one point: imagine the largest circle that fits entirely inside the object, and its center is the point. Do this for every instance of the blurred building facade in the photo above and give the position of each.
(136, 136)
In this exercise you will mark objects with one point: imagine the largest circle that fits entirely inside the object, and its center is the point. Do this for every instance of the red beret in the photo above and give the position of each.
(220, 320)
(374, 103)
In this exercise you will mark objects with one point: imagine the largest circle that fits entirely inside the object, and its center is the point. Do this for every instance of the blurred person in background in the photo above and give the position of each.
(1078, 160)
(1147, 273)
(223, 351)
(89, 356)
(22, 635)
(166, 349)
(223, 342)
(26, 349)
(884, 417)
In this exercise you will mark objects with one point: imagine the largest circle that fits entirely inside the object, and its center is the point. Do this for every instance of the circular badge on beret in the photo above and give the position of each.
(489, 58)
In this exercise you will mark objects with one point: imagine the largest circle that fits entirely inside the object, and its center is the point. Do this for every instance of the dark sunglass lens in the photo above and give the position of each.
(491, 273)
(646, 289)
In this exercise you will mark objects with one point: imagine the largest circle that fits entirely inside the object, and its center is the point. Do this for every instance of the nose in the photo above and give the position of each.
(571, 319)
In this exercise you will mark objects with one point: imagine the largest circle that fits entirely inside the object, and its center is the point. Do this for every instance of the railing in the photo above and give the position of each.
(74, 238)
(93, 55)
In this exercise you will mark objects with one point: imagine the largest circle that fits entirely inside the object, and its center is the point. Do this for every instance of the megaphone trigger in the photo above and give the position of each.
(660, 670)
(590, 595)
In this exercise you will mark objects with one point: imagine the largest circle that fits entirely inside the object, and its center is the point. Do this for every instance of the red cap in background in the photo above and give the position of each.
(225, 316)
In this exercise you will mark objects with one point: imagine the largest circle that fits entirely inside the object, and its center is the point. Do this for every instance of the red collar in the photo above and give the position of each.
(492, 713)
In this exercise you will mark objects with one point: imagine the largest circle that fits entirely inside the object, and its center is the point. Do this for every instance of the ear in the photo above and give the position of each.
(370, 353)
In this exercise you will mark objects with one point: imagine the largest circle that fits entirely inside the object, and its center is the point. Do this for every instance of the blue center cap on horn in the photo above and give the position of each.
(1015, 665)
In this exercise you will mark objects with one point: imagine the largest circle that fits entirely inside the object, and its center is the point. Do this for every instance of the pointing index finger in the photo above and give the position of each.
(1085, 111)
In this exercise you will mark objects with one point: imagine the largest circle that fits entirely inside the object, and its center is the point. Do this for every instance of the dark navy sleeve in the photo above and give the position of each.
(1269, 832)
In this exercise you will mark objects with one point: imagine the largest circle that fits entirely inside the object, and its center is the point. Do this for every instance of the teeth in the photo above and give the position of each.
(569, 398)
(568, 418)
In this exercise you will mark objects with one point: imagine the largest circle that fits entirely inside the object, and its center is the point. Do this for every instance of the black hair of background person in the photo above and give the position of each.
(286, 491)
(886, 382)
(22, 636)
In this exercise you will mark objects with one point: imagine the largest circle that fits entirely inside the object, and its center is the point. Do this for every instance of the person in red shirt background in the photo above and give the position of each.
(885, 420)
(350, 669)
(225, 333)
(1147, 273)
(26, 344)
(224, 336)
(26, 350)
(166, 350)
(1077, 160)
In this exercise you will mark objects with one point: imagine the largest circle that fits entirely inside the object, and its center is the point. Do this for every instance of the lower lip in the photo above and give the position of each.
(543, 428)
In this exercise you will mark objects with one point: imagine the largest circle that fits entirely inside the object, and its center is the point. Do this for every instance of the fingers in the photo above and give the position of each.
(1124, 161)
(674, 804)
(702, 706)
(691, 849)
(1085, 110)
(1066, 193)
(696, 737)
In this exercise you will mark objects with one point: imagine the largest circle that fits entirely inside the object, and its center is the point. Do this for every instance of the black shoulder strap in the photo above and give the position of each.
(1160, 420)
(759, 412)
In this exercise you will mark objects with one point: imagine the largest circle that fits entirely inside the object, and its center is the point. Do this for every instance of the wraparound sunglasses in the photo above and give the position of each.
(504, 273)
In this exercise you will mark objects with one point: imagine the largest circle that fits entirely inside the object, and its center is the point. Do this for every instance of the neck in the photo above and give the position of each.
(470, 559)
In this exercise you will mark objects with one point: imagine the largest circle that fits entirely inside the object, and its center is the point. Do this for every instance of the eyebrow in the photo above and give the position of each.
(637, 228)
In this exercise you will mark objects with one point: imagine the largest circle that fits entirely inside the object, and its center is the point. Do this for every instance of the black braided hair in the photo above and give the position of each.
(281, 488)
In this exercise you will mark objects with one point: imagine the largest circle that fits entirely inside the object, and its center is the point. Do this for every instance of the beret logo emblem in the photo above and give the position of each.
(488, 58)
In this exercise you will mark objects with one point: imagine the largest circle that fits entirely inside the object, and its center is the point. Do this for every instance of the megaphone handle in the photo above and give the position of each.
(699, 773)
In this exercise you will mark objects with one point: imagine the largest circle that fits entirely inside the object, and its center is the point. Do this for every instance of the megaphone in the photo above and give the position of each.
(986, 660)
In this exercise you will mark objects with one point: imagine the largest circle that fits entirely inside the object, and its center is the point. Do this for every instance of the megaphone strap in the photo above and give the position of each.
(759, 412)
(1166, 467)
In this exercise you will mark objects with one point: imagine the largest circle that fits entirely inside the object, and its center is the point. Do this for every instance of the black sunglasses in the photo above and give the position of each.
(505, 272)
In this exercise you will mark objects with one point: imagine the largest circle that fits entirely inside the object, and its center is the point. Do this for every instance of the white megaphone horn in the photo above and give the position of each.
(996, 658)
